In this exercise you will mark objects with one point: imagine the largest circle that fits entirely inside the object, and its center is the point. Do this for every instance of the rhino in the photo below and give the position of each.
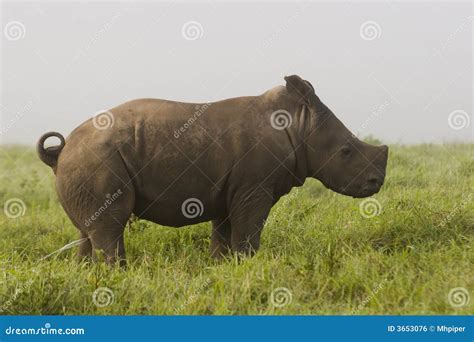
(179, 164)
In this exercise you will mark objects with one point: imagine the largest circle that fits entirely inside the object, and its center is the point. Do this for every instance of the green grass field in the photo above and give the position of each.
(317, 245)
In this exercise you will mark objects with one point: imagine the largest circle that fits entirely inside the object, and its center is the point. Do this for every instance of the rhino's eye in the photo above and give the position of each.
(346, 150)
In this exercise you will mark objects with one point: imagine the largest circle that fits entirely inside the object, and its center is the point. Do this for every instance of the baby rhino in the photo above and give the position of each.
(228, 162)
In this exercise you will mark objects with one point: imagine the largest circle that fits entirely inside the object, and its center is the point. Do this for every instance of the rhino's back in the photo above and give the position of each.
(144, 121)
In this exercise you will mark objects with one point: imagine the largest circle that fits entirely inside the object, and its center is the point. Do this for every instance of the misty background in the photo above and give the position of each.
(401, 72)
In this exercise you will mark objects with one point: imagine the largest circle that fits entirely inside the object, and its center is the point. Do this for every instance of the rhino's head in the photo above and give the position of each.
(334, 155)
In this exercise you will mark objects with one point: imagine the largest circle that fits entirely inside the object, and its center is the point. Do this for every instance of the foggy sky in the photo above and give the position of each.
(401, 72)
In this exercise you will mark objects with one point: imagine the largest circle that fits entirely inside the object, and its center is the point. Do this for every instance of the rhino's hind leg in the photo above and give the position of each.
(99, 200)
(85, 249)
(220, 238)
(106, 231)
(111, 242)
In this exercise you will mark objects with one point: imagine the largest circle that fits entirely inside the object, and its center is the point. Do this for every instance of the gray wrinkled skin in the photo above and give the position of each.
(233, 159)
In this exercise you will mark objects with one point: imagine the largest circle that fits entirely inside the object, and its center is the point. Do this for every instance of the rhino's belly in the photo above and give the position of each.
(174, 212)
(177, 186)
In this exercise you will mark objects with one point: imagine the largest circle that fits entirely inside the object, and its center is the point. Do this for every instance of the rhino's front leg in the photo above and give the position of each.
(220, 238)
(247, 219)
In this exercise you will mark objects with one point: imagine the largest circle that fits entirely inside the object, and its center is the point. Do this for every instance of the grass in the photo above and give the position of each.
(316, 244)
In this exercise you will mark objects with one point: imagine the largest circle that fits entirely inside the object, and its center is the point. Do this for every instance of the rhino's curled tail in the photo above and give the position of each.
(49, 155)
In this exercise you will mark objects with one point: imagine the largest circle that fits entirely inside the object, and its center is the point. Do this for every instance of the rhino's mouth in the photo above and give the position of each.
(367, 191)
(361, 193)
(364, 194)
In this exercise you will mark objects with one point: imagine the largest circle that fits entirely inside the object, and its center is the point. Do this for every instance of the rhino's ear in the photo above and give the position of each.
(301, 89)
